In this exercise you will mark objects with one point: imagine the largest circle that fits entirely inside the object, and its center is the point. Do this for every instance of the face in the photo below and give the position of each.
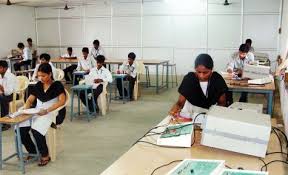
(99, 65)
(42, 60)
(242, 55)
(44, 77)
(130, 61)
(96, 46)
(30, 43)
(2, 70)
(85, 54)
(69, 52)
(203, 73)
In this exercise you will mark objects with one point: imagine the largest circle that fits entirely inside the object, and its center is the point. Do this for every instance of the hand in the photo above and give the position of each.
(1, 88)
(229, 71)
(98, 80)
(43, 112)
(87, 71)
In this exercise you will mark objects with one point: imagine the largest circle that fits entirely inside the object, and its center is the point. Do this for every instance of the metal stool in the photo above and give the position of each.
(78, 89)
(173, 74)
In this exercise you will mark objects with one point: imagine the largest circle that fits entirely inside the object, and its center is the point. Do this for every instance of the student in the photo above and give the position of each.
(85, 63)
(202, 88)
(44, 58)
(69, 70)
(50, 95)
(8, 84)
(97, 49)
(249, 43)
(33, 49)
(98, 75)
(236, 65)
(26, 57)
(129, 68)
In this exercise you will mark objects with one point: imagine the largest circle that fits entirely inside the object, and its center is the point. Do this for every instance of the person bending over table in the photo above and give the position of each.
(50, 95)
(69, 70)
(202, 88)
(236, 65)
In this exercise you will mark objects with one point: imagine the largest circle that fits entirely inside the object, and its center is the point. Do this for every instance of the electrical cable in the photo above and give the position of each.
(164, 166)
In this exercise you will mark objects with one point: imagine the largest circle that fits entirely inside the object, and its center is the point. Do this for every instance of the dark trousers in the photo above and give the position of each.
(34, 60)
(4, 102)
(131, 86)
(96, 93)
(17, 66)
(69, 72)
(244, 97)
(29, 144)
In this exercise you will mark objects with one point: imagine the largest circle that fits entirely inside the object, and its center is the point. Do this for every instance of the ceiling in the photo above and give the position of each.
(51, 3)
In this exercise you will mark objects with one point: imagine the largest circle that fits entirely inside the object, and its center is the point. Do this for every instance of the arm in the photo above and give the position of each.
(78, 66)
(222, 100)
(177, 106)
(29, 101)
(60, 102)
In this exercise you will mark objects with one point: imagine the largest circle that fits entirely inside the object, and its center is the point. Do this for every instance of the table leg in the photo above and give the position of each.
(19, 143)
(1, 146)
(157, 79)
(87, 105)
(123, 94)
(270, 103)
(167, 76)
(93, 101)
(79, 103)
(72, 100)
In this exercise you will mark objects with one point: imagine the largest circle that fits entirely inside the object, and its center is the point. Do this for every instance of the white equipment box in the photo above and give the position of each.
(235, 130)
(180, 135)
(198, 167)
(255, 72)
(242, 172)
(247, 106)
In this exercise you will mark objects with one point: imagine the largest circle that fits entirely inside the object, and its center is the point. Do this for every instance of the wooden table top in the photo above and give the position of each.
(231, 85)
(111, 61)
(16, 120)
(142, 158)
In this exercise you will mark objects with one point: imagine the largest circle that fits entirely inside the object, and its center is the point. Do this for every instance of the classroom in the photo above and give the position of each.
(144, 87)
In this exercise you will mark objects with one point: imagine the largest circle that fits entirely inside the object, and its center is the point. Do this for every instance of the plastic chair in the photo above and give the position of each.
(140, 67)
(59, 75)
(15, 104)
(51, 136)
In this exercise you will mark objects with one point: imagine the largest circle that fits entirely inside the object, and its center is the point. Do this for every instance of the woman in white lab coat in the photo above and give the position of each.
(50, 95)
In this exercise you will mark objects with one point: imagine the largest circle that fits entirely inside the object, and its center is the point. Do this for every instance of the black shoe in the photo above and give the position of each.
(53, 125)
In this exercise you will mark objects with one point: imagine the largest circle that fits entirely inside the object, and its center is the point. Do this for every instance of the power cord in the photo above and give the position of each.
(165, 165)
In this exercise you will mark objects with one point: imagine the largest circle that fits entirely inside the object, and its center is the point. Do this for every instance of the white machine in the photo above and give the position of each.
(198, 167)
(247, 106)
(236, 130)
(242, 172)
(255, 72)
(180, 135)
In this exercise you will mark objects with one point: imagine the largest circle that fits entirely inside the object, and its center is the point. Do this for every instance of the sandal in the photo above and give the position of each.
(44, 162)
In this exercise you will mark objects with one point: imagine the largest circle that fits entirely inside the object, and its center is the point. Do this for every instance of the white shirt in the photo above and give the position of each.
(237, 63)
(101, 73)
(33, 49)
(86, 64)
(68, 56)
(9, 82)
(27, 55)
(36, 70)
(130, 70)
(204, 86)
(97, 52)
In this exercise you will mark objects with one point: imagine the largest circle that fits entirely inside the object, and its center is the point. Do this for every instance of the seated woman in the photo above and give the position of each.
(50, 95)
(202, 88)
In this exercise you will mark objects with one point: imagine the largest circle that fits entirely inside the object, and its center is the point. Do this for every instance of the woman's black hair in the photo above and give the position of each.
(45, 68)
(205, 60)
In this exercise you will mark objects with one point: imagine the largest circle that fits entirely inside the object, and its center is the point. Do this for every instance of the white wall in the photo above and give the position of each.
(16, 25)
(284, 34)
(167, 29)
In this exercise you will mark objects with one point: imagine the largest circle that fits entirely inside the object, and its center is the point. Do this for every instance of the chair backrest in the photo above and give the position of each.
(140, 68)
(23, 83)
(59, 75)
